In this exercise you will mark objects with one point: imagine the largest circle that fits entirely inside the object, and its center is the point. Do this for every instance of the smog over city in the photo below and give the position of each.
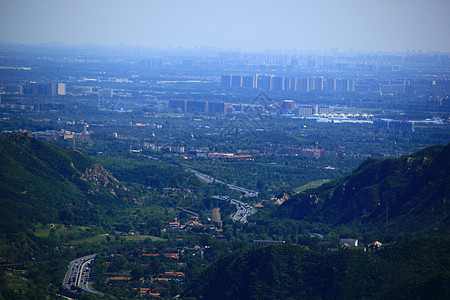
(224, 149)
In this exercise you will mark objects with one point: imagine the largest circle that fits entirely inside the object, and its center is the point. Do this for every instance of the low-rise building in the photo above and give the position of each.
(348, 242)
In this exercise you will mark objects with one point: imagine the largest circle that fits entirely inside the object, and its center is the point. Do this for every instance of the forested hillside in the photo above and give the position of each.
(416, 269)
(43, 183)
(406, 196)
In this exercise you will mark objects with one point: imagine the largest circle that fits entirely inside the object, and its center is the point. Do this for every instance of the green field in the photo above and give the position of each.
(311, 185)
(103, 237)
(42, 230)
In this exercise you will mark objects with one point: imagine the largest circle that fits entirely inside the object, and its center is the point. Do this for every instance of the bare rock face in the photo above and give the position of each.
(283, 198)
(98, 176)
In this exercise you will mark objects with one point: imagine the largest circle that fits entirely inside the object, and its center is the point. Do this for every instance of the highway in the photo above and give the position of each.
(210, 179)
(78, 275)
(243, 209)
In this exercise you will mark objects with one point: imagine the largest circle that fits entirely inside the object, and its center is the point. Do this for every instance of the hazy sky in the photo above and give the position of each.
(367, 25)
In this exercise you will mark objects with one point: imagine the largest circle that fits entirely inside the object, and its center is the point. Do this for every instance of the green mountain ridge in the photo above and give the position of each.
(407, 270)
(40, 182)
(412, 190)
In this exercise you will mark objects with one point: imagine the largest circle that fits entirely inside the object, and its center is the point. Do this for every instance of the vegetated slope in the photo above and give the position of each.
(404, 270)
(40, 182)
(413, 190)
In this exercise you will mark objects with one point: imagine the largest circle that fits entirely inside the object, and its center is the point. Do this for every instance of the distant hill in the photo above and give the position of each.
(408, 270)
(413, 190)
(40, 182)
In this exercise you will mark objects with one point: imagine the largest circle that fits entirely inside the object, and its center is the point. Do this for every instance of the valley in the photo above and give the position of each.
(151, 180)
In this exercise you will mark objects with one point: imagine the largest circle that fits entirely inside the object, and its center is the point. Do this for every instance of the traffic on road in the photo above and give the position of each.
(210, 179)
(243, 209)
(78, 277)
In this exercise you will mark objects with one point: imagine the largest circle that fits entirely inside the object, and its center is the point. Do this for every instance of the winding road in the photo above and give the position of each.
(210, 179)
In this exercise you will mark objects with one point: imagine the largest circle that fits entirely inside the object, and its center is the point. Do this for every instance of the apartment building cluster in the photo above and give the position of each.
(36, 89)
(197, 106)
(55, 135)
(278, 83)
(288, 107)
(390, 124)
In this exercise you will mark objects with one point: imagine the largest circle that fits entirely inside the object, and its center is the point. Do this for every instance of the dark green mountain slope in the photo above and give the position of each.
(41, 183)
(413, 190)
(408, 270)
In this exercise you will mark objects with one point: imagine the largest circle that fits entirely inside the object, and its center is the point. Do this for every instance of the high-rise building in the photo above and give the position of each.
(236, 81)
(48, 89)
(324, 110)
(294, 84)
(41, 89)
(276, 83)
(304, 111)
(302, 84)
(263, 82)
(331, 84)
(248, 81)
(289, 84)
(287, 106)
(225, 80)
(13, 89)
(61, 89)
(311, 84)
(345, 85)
(351, 85)
(341, 85)
(30, 89)
(216, 107)
(318, 83)
(178, 105)
(197, 106)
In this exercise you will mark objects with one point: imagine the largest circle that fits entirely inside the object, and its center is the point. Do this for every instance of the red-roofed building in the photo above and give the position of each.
(120, 278)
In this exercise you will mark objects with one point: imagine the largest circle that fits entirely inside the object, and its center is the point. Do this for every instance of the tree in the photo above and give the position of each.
(137, 273)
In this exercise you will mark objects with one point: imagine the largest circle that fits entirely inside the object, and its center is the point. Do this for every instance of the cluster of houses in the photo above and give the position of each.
(194, 221)
(56, 135)
(172, 256)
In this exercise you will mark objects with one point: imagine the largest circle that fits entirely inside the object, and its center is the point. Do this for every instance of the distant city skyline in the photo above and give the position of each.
(369, 25)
